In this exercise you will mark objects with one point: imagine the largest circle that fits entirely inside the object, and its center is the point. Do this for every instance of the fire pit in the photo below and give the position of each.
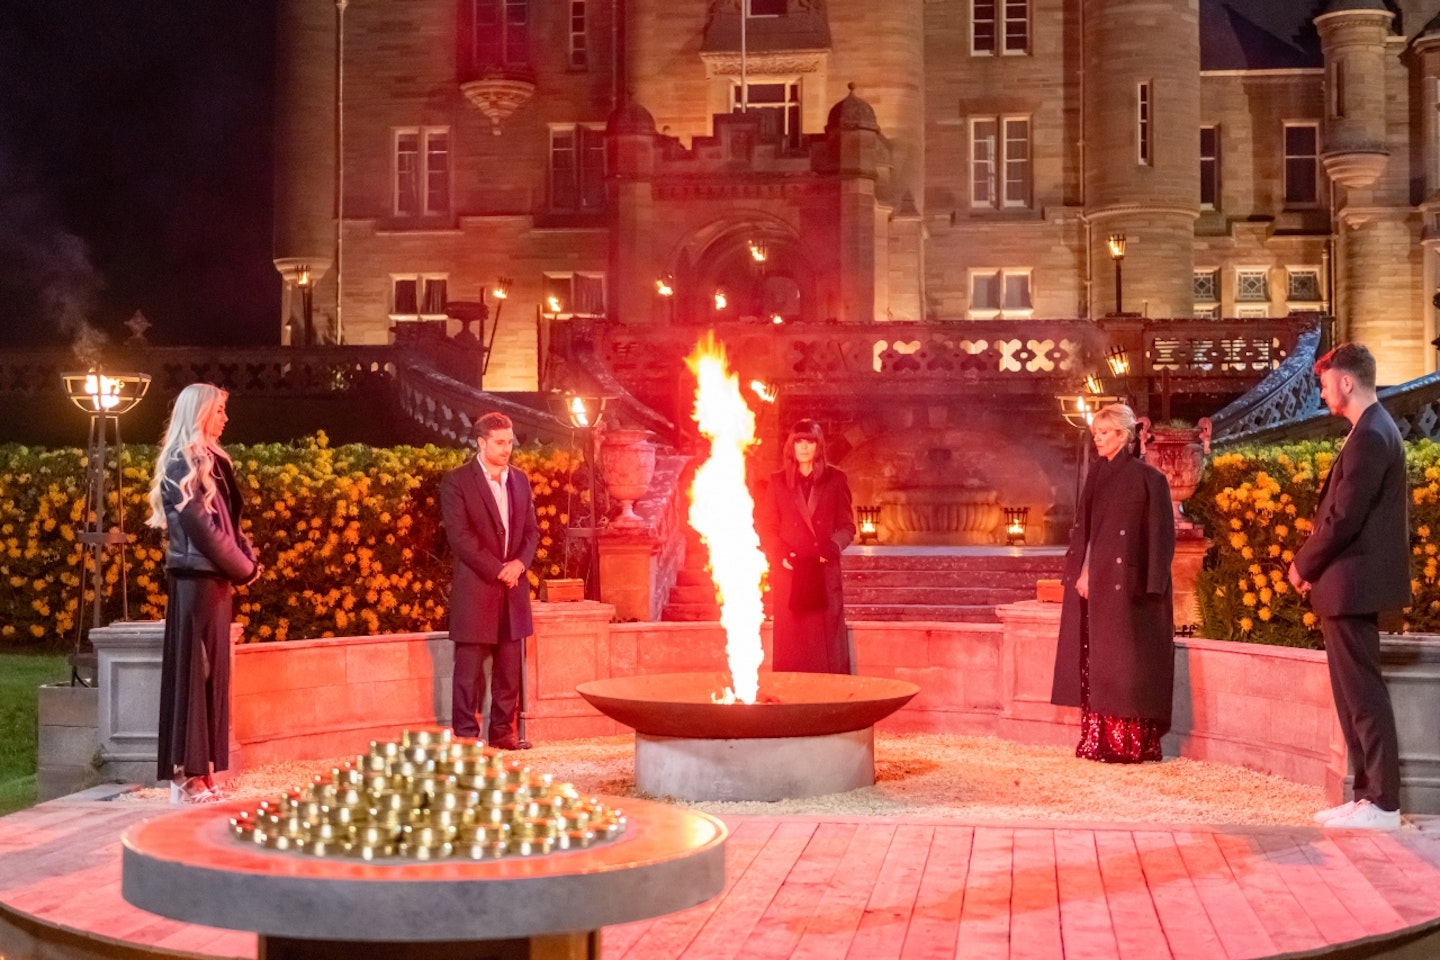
(806, 735)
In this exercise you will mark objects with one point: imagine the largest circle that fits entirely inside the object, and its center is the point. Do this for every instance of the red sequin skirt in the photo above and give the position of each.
(1113, 739)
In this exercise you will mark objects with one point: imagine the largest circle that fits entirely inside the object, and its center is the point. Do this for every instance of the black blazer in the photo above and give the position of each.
(477, 539)
(1357, 557)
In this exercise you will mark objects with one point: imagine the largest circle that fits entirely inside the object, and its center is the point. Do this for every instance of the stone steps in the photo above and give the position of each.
(961, 585)
(909, 612)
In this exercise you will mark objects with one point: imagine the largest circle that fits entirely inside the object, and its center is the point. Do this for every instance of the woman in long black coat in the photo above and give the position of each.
(195, 499)
(804, 521)
(1116, 659)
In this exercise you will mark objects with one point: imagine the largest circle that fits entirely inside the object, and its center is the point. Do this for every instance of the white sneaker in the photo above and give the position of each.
(1330, 813)
(1366, 816)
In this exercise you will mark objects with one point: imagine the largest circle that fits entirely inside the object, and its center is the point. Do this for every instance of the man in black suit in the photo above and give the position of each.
(1355, 566)
(490, 522)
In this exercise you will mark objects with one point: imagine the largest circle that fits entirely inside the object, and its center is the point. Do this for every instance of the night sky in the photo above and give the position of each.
(135, 170)
(135, 166)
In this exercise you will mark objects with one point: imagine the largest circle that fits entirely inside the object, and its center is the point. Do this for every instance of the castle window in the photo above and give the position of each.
(422, 172)
(417, 296)
(1304, 287)
(776, 103)
(1206, 288)
(1252, 286)
(1302, 164)
(501, 34)
(765, 8)
(1209, 168)
(1337, 89)
(569, 294)
(577, 168)
(1000, 293)
(579, 37)
(1000, 162)
(999, 26)
(1144, 124)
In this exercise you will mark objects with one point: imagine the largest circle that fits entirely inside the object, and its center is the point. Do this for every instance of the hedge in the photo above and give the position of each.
(350, 537)
(1256, 504)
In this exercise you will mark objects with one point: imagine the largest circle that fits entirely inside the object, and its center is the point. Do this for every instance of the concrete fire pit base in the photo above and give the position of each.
(772, 768)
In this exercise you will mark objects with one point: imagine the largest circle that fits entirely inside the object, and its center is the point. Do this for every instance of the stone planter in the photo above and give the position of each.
(966, 515)
(1178, 453)
(1411, 667)
(627, 465)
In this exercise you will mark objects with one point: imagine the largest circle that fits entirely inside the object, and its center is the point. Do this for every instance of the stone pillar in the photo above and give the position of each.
(128, 676)
(1379, 260)
(629, 573)
(1189, 558)
(68, 740)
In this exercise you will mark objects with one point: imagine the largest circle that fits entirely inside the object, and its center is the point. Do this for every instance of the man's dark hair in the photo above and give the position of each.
(491, 422)
(1351, 358)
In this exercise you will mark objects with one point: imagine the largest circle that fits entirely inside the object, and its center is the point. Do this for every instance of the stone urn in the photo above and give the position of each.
(627, 464)
(1179, 453)
(933, 508)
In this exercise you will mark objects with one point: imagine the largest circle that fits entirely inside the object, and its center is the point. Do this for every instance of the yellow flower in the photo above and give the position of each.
(1308, 619)
(1246, 624)
(1249, 599)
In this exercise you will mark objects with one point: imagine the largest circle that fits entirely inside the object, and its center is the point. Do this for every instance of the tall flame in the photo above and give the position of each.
(723, 513)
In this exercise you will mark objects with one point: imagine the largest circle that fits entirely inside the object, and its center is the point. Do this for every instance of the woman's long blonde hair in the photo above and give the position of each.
(185, 436)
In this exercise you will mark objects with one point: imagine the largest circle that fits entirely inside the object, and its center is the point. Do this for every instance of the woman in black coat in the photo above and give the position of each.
(1116, 659)
(804, 522)
(195, 499)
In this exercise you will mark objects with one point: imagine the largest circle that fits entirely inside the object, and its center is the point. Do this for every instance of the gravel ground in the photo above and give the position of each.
(976, 779)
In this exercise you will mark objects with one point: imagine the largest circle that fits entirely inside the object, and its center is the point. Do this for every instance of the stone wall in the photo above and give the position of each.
(1259, 707)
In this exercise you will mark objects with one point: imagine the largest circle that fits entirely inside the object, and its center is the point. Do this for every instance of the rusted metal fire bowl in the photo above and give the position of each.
(789, 705)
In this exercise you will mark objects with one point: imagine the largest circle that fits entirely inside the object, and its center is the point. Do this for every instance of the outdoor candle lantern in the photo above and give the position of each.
(1015, 520)
(869, 519)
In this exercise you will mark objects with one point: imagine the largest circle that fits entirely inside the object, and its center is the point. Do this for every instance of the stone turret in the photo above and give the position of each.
(1352, 35)
(304, 231)
(1141, 117)
(632, 143)
(853, 137)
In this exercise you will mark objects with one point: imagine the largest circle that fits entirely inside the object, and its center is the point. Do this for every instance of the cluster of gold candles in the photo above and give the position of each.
(430, 796)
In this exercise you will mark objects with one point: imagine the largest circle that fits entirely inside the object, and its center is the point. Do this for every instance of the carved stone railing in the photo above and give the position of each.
(1276, 405)
(256, 371)
(1019, 356)
(447, 409)
(1287, 406)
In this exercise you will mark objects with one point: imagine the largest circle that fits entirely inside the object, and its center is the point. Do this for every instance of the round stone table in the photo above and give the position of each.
(188, 866)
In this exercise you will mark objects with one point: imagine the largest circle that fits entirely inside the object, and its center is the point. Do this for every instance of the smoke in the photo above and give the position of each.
(48, 284)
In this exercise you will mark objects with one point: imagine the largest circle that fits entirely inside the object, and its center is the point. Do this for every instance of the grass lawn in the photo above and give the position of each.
(20, 675)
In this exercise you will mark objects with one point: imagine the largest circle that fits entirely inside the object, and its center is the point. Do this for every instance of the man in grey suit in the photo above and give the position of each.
(490, 522)
(1355, 566)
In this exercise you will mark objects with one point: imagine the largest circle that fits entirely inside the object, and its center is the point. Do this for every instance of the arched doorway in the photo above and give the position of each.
(748, 269)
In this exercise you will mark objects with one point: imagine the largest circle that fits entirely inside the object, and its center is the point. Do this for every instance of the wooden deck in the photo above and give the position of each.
(871, 888)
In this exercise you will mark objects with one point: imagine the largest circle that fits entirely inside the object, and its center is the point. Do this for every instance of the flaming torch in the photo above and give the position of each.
(723, 513)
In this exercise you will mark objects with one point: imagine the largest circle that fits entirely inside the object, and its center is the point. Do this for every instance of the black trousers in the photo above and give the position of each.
(1352, 647)
(468, 687)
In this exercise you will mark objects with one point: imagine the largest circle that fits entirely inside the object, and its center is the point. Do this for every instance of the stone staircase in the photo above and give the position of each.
(693, 596)
(955, 584)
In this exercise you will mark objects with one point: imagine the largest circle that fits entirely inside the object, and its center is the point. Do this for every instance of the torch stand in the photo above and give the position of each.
(104, 437)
